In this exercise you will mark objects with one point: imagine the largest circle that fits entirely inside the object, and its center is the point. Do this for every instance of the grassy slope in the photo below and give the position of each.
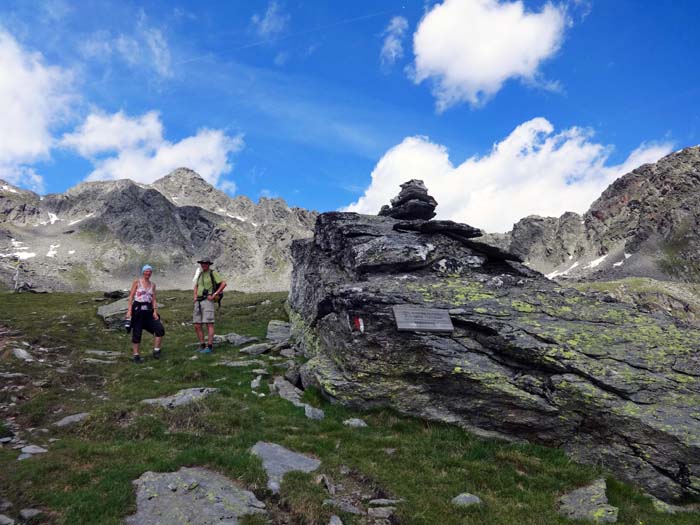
(86, 476)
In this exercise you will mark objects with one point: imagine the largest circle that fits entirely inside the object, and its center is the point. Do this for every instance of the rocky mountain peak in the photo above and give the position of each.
(643, 225)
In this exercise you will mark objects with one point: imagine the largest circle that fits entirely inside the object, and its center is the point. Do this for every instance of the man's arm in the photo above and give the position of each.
(222, 285)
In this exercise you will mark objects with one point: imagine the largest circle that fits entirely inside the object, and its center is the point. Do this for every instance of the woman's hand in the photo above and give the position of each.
(155, 315)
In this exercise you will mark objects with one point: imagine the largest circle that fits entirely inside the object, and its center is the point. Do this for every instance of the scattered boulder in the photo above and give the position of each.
(292, 374)
(71, 420)
(466, 500)
(335, 520)
(288, 391)
(344, 506)
(22, 354)
(278, 331)
(289, 353)
(277, 461)
(255, 383)
(28, 514)
(384, 502)
(527, 360)
(183, 397)
(413, 202)
(33, 449)
(588, 503)
(6, 520)
(195, 496)
(383, 513)
(354, 423)
(116, 294)
(234, 339)
(257, 349)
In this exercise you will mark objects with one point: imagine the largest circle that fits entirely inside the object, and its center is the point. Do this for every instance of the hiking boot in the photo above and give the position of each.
(202, 346)
(206, 350)
(137, 359)
(156, 354)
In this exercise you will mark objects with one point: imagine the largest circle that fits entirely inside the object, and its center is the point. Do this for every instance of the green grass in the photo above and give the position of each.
(86, 476)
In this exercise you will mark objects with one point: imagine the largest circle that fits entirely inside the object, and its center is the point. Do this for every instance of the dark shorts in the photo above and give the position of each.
(143, 320)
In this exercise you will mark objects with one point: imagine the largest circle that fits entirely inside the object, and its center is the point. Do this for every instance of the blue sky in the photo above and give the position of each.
(504, 108)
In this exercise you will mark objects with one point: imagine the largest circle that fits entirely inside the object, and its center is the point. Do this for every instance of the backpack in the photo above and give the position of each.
(215, 285)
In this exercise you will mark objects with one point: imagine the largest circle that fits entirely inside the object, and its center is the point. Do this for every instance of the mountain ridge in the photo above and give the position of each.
(644, 224)
(101, 232)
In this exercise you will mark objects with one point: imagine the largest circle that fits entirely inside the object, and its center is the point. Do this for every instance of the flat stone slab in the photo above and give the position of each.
(183, 397)
(94, 361)
(104, 353)
(33, 449)
(242, 363)
(195, 496)
(6, 520)
(278, 331)
(588, 503)
(277, 461)
(290, 393)
(257, 349)
(70, 420)
(355, 423)
(234, 339)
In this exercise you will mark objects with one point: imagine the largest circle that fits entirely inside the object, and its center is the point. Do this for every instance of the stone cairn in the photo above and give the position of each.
(413, 202)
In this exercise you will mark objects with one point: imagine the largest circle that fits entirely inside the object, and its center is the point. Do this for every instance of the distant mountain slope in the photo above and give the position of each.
(98, 234)
(645, 224)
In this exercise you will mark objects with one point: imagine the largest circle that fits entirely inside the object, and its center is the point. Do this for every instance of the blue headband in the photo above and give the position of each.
(146, 267)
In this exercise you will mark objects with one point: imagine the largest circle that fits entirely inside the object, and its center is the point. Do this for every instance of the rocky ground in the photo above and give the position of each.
(88, 437)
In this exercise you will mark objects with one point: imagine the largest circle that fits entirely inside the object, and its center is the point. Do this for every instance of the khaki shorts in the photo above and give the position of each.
(203, 312)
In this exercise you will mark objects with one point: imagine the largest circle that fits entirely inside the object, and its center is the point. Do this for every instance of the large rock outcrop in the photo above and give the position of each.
(528, 359)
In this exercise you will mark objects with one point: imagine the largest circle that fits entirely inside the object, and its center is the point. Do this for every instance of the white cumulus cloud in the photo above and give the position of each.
(533, 171)
(34, 97)
(392, 46)
(467, 49)
(272, 23)
(101, 132)
(123, 147)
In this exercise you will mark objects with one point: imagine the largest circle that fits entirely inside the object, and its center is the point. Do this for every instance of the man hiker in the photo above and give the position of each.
(142, 313)
(208, 288)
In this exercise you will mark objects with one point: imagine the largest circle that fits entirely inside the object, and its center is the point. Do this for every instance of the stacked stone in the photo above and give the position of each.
(413, 202)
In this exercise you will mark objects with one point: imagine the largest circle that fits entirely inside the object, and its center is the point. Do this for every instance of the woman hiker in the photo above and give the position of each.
(143, 312)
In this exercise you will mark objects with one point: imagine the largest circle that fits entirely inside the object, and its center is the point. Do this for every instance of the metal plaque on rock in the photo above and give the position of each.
(411, 318)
